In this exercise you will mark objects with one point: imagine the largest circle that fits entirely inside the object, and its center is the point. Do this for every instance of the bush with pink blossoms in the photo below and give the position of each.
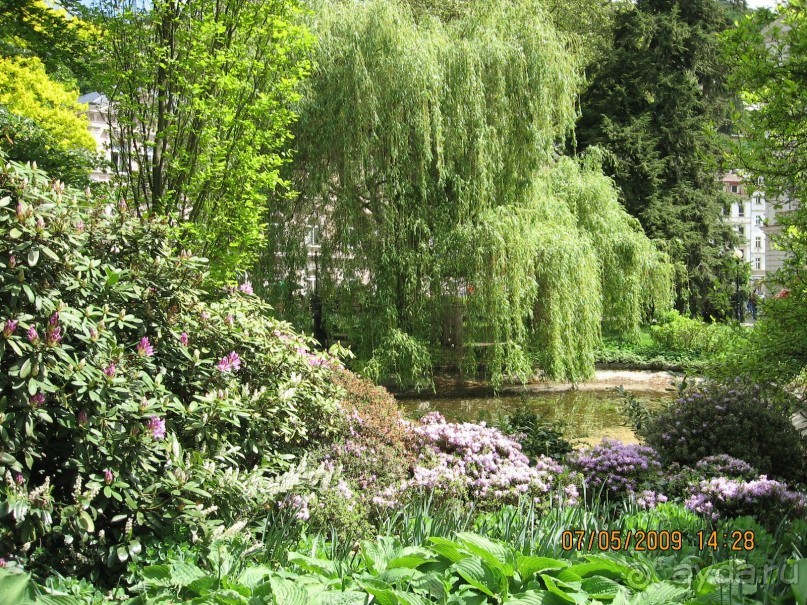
(480, 463)
(615, 470)
(767, 500)
(119, 415)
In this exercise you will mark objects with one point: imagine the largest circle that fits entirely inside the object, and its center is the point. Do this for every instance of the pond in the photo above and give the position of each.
(587, 415)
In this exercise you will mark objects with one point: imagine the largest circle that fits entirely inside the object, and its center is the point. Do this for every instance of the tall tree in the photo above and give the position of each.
(769, 53)
(656, 103)
(428, 178)
(201, 92)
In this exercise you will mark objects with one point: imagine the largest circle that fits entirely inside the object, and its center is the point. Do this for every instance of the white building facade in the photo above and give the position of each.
(747, 215)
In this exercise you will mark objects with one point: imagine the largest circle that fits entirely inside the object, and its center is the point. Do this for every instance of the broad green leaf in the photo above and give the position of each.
(378, 553)
(183, 573)
(318, 566)
(635, 574)
(600, 587)
(534, 597)
(495, 553)
(799, 586)
(408, 598)
(482, 576)
(556, 586)
(661, 593)
(411, 557)
(252, 576)
(339, 598)
(383, 595)
(33, 257)
(448, 549)
(287, 592)
(15, 587)
(528, 566)
(86, 522)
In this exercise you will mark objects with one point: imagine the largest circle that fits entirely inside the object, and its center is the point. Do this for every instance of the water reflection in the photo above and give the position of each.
(586, 415)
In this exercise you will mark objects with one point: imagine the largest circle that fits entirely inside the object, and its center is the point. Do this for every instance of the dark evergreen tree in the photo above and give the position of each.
(657, 103)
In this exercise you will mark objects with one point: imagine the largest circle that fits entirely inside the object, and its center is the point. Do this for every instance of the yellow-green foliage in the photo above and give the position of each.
(26, 90)
(434, 142)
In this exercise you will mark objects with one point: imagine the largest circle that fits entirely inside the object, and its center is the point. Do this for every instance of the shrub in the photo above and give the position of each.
(133, 401)
(615, 470)
(737, 419)
(537, 435)
(477, 462)
(676, 332)
(767, 500)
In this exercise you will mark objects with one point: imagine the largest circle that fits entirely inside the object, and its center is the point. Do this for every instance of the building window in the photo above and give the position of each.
(758, 242)
(757, 198)
(740, 210)
(312, 237)
(758, 263)
(759, 219)
(734, 189)
(741, 231)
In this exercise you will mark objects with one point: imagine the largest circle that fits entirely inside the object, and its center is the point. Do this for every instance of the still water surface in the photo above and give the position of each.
(588, 416)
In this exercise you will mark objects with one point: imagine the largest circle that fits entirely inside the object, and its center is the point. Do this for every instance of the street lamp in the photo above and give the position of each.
(738, 256)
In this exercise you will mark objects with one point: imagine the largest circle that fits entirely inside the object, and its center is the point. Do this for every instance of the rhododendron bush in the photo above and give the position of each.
(131, 399)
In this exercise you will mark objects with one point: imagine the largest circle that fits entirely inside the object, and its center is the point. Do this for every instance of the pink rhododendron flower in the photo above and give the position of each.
(9, 328)
(33, 335)
(183, 339)
(229, 363)
(109, 371)
(246, 288)
(108, 476)
(157, 427)
(37, 400)
(144, 348)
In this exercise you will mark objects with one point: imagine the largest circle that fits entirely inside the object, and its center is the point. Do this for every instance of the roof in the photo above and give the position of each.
(93, 98)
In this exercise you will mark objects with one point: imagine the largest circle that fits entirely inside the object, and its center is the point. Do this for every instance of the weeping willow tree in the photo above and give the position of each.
(441, 216)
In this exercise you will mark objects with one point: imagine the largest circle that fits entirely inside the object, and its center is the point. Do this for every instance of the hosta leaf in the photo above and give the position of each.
(408, 598)
(183, 573)
(467, 598)
(534, 597)
(482, 576)
(496, 554)
(287, 592)
(339, 598)
(431, 584)
(382, 594)
(661, 593)
(556, 586)
(378, 553)
(529, 566)
(15, 587)
(411, 557)
(448, 549)
(252, 576)
(800, 584)
(635, 574)
(600, 587)
(318, 566)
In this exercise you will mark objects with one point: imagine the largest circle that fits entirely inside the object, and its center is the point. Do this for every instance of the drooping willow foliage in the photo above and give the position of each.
(444, 221)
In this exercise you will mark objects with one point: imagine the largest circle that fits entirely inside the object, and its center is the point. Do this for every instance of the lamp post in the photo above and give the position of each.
(738, 256)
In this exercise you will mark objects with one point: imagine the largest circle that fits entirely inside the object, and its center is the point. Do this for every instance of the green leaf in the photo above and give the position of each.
(85, 522)
(534, 597)
(661, 593)
(600, 587)
(287, 592)
(528, 566)
(482, 576)
(800, 584)
(33, 257)
(448, 549)
(339, 598)
(318, 566)
(182, 573)
(495, 553)
(25, 370)
(252, 576)
(15, 587)
(29, 293)
(14, 233)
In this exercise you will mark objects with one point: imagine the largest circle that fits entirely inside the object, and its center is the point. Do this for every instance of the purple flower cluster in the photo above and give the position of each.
(719, 496)
(156, 426)
(229, 363)
(725, 465)
(9, 328)
(246, 287)
(649, 499)
(479, 459)
(110, 371)
(299, 504)
(145, 348)
(183, 339)
(617, 468)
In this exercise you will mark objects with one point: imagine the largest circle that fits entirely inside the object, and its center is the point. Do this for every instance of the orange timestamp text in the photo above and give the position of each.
(653, 540)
